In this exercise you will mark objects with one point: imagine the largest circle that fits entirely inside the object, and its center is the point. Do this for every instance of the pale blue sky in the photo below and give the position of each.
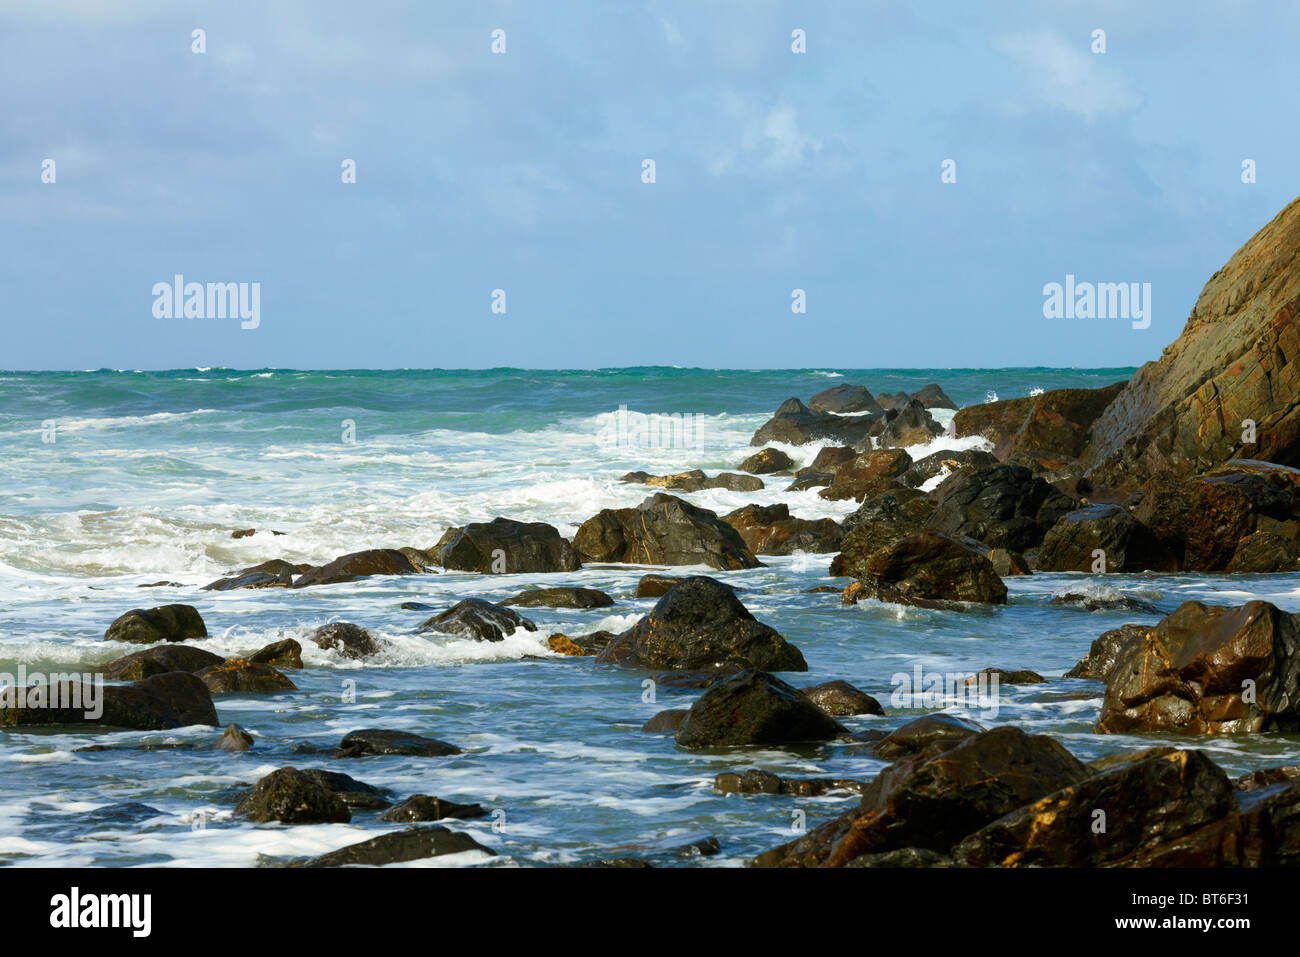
(522, 172)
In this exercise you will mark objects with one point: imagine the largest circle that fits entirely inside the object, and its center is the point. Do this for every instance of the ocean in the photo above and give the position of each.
(113, 479)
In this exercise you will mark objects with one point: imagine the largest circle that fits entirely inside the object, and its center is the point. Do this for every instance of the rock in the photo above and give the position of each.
(373, 741)
(1146, 804)
(235, 738)
(478, 619)
(885, 518)
(871, 473)
(1021, 677)
(1265, 553)
(753, 707)
(1051, 425)
(1125, 543)
(767, 462)
(239, 675)
(695, 679)
(655, 586)
(701, 623)
(769, 530)
(1112, 761)
(755, 781)
(349, 640)
(795, 424)
(1208, 670)
(423, 559)
(413, 844)
(933, 397)
(280, 654)
(936, 463)
(348, 568)
(931, 801)
(1105, 600)
(357, 795)
(563, 645)
(695, 480)
(1007, 563)
(669, 721)
(1106, 652)
(422, 807)
(1003, 506)
(908, 424)
(808, 478)
(243, 533)
(146, 626)
(595, 642)
(560, 598)
(1235, 362)
(273, 574)
(663, 530)
(930, 733)
(158, 661)
(502, 545)
(289, 796)
(157, 703)
(893, 402)
(840, 698)
(1266, 777)
(829, 458)
(924, 568)
(844, 398)
(903, 857)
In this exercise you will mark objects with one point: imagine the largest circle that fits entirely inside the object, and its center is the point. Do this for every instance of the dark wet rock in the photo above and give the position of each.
(696, 480)
(1008, 563)
(755, 781)
(1112, 761)
(478, 619)
(767, 462)
(157, 703)
(1265, 553)
(931, 732)
(1146, 804)
(276, 573)
(234, 738)
(503, 545)
(796, 424)
(1003, 506)
(871, 473)
(147, 626)
(1021, 677)
(356, 565)
(159, 661)
(426, 560)
(663, 530)
(376, 741)
(655, 586)
(841, 699)
(1208, 670)
(810, 478)
(1106, 652)
(844, 398)
(291, 796)
(1126, 545)
(1051, 425)
(239, 675)
(752, 708)
(769, 530)
(893, 402)
(594, 642)
(349, 640)
(162, 584)
(904, 857)
(695, 679)
(416, 606)
(700, 623)
(1105, 601)
(560, 598)
(412, 844)
(925, 568)
(933, 397)
(909, 424)
(122, 812)
(1267, 777)
(948, 460)
(829, 458)
(665, 722)
(279, 654)
(423, 807)
(357, 795)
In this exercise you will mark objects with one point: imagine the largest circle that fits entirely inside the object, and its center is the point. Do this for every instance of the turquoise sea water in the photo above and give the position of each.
(113, 479)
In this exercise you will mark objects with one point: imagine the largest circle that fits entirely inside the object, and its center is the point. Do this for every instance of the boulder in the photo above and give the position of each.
(349, 640)
(412, 844)
(829, 458)
(560, 598)
(356, 565)
(844, 398)
(933, 397)
(796, 424)
(423, 807)
(1052, 425)
(147, 626)
(157, 703)
(908, 424)
(669, 721)
(871, 473)
(754, 708)
(663, 530)
(1022, 676)
(1125, 543)
(1008, 563)
(502, 545)
(239, 675)
(654, 586)
(234, 739)
(376, 741)
(286, 653)
(357, 795)
(276, 573)
(159, 661)
(925, 568)
(701, 623)
(564, 645)
(1003, 506)
(841, 699)
(766, 462)
(944, 461)
(290, 796)
(769, 530)
(478, 619)
(1106, 653)
(1207, 670)
(930, 733)
(1265, 553)
(810, 478)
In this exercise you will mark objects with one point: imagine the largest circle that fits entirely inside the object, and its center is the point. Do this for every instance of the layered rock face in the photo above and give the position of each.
(1234, 363)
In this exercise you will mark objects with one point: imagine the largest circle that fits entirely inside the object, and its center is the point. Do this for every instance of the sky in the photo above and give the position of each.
(524, 171)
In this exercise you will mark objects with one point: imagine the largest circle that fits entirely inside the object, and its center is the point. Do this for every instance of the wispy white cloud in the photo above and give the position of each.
(1064, 75)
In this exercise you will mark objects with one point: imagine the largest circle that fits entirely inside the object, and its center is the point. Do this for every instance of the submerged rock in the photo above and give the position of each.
(755, 781)
(376, 741)
(478, 619)
(766, 462)
(280, 654)
(159, 661)
(423, 807)
(235, 738)
(413, 844)
(348, 568)
(753, 707)
(239, 675)
(276, 573)
(146, 626)
(349, 640)
(669, 721)
(291, 796)
(560, 598)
